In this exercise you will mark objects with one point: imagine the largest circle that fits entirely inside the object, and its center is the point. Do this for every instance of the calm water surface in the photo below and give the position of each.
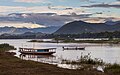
(109, 53)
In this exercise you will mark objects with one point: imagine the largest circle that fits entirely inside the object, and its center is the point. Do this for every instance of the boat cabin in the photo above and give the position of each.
(37, 51)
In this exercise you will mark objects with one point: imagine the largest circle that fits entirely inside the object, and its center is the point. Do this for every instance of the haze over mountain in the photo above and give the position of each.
(13, 30)
(78, 27)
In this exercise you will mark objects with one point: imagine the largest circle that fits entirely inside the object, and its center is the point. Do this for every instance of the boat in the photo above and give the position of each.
(73, 48)
(48, 51)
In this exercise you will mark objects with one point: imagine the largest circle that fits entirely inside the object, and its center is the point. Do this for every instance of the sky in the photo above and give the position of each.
(99, 9)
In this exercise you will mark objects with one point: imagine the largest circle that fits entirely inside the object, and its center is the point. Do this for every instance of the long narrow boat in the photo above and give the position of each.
(73, 48)
(48, 51)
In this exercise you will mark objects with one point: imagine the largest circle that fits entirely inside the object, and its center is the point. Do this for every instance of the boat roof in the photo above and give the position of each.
(38, 48)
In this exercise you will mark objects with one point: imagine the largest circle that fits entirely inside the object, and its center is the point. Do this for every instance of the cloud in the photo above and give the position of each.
(20, 25)
(47, 19)
(84, 0)
(100, 19)
(62, 14)
(32, 1)
(31, 20)
(11, 9)
(40, 9)
(103, 5)
(61, 8)
(117, 3)
(88, 1)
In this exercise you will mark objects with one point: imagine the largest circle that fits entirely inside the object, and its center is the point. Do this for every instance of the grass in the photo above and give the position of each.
(86, 59)
(85, 62)
(115, 68)
(11, 65)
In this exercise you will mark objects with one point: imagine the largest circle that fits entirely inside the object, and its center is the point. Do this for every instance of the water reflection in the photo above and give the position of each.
(51, 59)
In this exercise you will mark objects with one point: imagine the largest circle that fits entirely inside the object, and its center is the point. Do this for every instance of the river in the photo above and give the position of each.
(109, 53)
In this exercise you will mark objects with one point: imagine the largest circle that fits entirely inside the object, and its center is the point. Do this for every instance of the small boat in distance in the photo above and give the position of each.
(73, 48)
(48, 51)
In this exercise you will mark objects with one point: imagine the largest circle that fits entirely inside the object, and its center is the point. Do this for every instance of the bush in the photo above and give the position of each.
(6, 47)
(86, 59)
(115, 68)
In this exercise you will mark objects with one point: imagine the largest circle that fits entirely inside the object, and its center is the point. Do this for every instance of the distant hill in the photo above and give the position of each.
(13, 30)
(26, 35)
(78, 27)
(112, 22)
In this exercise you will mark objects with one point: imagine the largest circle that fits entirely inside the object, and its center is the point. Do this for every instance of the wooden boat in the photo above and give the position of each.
(33, 51)
(73, 48)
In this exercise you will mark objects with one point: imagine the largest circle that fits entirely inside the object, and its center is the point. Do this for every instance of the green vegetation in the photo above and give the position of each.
(35, 41)
(85, 63)
(86, 59)
(70, 40)
(114, 41)
(115, 68)
(115, 34)
(6, 47)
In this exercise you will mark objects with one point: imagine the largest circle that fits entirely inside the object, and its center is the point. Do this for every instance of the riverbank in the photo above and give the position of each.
(93, 41)
(111, 41)
(11, 65)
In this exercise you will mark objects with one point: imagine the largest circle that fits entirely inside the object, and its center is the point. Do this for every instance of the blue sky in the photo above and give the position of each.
(54, 3)
(74, 3)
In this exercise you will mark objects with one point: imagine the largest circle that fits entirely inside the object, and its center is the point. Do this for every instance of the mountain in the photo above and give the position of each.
(26, 35)
(78, 27)
(13, 30)
(48, 30)
(110, 22)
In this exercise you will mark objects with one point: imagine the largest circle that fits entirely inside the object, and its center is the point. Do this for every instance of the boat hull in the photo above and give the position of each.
(37, 53)
(73, 48)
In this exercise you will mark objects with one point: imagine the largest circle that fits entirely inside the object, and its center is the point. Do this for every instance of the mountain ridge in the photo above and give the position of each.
(78, 27)
(14, 30)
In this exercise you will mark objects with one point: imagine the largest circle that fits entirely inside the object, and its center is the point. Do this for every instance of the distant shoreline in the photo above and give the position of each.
(79, 41)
